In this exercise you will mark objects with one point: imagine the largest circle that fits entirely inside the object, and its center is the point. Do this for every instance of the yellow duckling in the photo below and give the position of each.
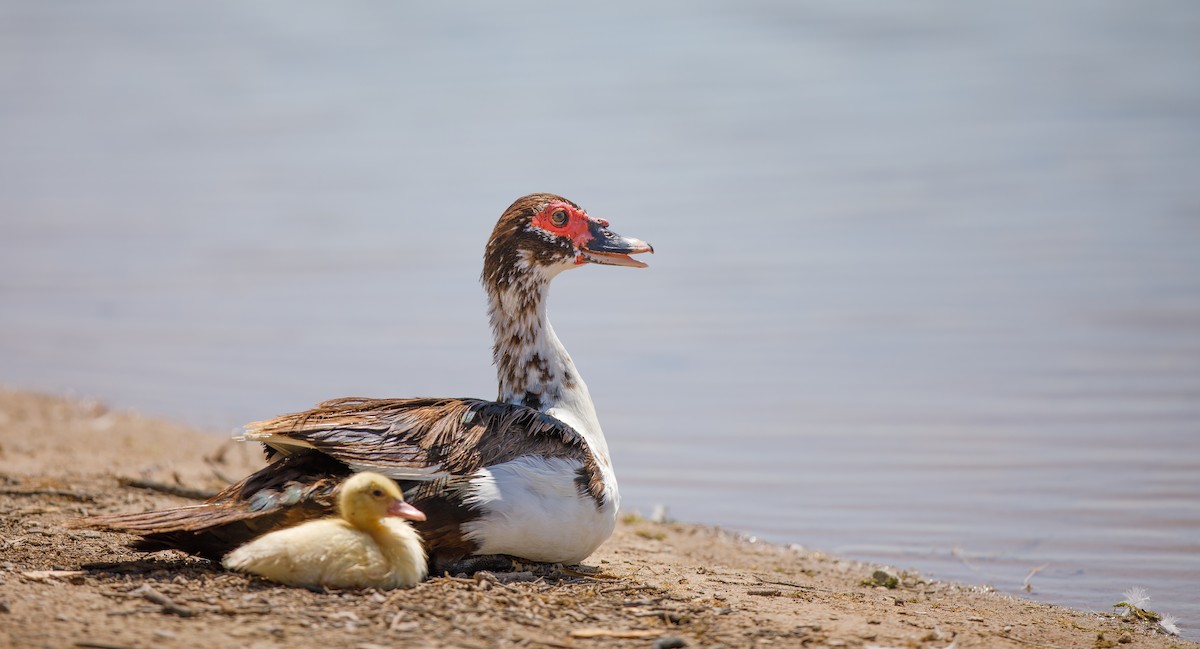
(364, 548)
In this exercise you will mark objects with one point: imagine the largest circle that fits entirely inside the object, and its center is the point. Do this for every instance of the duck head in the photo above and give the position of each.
(545, 234)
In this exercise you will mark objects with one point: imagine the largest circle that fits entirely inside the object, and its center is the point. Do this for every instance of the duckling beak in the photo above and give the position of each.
(405, 510)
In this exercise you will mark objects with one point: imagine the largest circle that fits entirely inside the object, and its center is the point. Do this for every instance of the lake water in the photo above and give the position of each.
(927, 288)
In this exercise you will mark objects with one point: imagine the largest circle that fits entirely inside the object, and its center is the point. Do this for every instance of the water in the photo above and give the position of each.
(928, 281)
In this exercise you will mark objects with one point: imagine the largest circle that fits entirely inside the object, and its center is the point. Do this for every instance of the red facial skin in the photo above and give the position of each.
(576, 226)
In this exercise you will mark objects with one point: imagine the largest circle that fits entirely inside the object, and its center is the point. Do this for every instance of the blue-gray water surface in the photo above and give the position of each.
(927, 288)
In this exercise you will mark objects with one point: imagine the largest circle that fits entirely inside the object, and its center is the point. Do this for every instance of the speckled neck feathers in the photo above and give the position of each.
(532, 366)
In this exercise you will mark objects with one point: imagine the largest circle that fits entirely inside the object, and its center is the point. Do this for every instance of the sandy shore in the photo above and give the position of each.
(652, 584)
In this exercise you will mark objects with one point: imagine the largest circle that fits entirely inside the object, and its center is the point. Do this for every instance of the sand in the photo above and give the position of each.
(653, 584)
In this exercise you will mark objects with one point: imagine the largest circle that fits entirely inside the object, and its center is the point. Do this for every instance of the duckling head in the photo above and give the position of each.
(365, 498)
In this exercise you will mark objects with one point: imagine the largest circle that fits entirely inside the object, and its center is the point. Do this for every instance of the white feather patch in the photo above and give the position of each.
(532, 508)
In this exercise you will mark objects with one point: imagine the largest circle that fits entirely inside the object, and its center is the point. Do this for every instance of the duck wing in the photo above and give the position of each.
(421, 439)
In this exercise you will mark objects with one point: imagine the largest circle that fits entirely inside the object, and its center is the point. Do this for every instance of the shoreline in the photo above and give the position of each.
(706, 587)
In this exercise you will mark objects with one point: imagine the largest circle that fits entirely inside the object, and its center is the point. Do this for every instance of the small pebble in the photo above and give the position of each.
(669, 642)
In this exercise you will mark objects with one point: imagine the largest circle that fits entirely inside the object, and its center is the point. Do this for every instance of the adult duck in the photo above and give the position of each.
(526, 476)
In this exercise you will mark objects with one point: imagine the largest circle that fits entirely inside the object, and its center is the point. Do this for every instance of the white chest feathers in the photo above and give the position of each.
(532, 507)
(334, 554)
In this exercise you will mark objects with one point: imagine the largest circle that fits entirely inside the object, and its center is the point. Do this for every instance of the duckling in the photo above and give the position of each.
(363, 548)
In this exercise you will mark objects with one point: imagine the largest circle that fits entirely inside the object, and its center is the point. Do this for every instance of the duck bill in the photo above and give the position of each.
(611, 249)
(405, 510)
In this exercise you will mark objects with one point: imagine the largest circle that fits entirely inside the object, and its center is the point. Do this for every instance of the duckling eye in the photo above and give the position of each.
(559, 218)
(378, 493)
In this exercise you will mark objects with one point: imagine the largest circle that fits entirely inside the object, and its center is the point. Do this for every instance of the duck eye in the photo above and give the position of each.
(378, 493)
(559, 218)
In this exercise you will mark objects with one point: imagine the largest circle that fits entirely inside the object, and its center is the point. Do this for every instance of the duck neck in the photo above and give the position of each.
(359, 517)
(532, 366)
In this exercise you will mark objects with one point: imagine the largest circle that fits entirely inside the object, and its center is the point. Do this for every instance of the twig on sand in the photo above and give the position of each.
(169, 489)
(17, 491)
(43, 575)
(789, 584)
(506, 577)
(669, 617)
(168, 605)
(549, 643)
(588, 575)
(631, 634)
(622, 589)
(88, 644)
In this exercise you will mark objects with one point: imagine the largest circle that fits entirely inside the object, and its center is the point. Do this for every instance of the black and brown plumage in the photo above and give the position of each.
(527, 475)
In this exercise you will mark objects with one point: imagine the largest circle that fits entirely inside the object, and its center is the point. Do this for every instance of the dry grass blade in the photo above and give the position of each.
(62, 493)
(169, 489)
(168, 605)
(43, 575)
(590, 575)
(630, 634)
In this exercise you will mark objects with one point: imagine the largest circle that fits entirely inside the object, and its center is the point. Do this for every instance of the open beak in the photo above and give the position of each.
(611, 249)
(405, 510)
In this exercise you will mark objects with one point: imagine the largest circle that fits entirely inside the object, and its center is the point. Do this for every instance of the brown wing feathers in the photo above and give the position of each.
(458, 436)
